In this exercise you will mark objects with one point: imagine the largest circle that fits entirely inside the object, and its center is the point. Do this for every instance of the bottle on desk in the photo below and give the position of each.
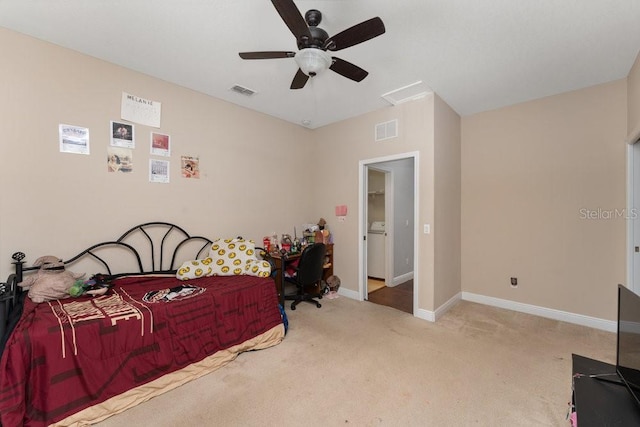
(273, 244)
(286, 243)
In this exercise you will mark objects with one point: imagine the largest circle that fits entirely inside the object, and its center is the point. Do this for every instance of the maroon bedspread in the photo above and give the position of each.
(70, 354)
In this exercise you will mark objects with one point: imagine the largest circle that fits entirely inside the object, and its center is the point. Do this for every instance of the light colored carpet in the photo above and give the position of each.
(362, 364)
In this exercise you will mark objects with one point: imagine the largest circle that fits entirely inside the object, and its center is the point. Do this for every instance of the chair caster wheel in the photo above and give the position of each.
(293, 307)
(318, 305)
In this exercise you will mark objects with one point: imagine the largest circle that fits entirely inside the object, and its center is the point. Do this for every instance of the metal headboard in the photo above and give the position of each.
(153, 246)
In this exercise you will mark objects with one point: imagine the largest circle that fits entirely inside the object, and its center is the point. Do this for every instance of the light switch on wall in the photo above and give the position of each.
(427, 229)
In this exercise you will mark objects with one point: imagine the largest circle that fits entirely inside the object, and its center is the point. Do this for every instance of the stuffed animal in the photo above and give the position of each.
(97, 285)
(51, 282)
(333, 284)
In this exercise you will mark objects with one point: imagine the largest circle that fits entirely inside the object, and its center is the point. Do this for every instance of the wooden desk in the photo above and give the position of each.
(280, 263)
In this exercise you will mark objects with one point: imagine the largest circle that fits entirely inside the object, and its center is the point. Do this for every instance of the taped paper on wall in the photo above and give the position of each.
(140, 110)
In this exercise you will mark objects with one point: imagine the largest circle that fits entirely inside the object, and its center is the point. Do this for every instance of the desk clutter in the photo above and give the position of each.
(312, 233)
(286, 255)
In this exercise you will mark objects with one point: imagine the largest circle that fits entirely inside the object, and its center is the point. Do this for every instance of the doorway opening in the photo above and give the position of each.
(387, 224)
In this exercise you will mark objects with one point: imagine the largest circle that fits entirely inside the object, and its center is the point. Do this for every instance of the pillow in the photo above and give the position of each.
(195, 269)
(231, 256)
(258, 267)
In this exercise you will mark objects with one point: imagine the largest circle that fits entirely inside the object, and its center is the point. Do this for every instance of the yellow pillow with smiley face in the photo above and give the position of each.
(231, 256)
(195, 269)
(259, 268)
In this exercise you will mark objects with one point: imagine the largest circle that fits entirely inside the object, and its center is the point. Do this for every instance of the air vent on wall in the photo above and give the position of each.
(243, 90)
(387, 130)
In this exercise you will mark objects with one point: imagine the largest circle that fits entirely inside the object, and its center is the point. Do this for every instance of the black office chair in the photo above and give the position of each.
(308, 275)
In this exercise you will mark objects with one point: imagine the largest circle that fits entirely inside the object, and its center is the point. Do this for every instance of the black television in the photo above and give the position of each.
(628, 347)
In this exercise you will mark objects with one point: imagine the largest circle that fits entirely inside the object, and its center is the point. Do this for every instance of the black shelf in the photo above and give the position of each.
(601, 403)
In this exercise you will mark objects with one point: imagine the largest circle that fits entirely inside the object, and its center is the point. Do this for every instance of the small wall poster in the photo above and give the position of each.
(73, 139)
(159, 171)
(190, 167)
(160, 144)
(119, 159)
(122, 135)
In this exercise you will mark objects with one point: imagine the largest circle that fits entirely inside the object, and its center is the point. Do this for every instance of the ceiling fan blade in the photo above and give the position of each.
(266, 55)
(348, 70)
(299, 80)
(357, 34)
(293, 18)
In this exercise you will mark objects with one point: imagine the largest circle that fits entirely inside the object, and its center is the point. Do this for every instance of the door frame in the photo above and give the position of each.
(632, 214)
(362, 221)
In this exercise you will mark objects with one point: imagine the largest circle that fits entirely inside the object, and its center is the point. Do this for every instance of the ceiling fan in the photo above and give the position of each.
(313, 44)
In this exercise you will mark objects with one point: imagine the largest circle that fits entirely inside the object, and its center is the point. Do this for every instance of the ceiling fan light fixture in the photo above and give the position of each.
(313, 61)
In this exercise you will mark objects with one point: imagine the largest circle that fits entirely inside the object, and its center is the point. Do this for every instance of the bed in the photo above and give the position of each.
(76, 361)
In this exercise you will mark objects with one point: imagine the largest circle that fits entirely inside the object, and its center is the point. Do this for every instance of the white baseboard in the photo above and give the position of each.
(401, 279)
(564, 316)
(447, 305)
(349, 293)
(423, 314)
(549, 313)
(433, 316)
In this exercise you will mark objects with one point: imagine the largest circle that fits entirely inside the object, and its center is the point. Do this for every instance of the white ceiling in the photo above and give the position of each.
(477, 55)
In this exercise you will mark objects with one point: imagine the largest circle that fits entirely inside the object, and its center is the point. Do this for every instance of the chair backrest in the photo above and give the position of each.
(311, 264)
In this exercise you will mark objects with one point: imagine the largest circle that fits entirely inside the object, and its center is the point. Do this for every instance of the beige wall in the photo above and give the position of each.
(447, 203)
(633, 99)
(529, 173)
(62, 202)
(343, 146)
(55, 203)
(525, 172)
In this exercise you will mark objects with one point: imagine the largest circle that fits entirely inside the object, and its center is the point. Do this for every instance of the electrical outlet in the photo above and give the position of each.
(514, 282)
